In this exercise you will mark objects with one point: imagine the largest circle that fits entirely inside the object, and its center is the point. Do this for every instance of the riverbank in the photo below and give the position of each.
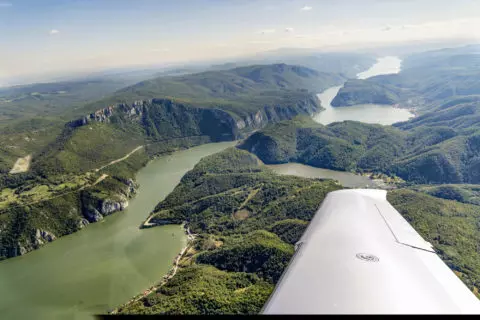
(410, 109)
(347, 179)
(169, 275)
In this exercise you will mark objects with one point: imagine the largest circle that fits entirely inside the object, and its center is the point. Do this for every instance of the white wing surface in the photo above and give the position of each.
(360, 256)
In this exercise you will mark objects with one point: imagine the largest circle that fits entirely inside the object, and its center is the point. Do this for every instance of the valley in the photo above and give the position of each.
(247, 205)
(204, 198)
(385, 114)
(166, 158)
(89, 171)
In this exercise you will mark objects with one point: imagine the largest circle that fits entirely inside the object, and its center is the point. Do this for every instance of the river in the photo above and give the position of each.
(346, 179)
(369, 113)
(105, 264)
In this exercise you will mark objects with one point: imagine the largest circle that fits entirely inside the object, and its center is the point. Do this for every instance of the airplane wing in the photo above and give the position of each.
(360, 256)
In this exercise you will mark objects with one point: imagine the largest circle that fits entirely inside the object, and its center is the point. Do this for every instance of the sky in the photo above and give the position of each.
(48, 36)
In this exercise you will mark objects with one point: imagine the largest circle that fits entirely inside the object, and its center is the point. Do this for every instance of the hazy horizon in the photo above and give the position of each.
(60, 37)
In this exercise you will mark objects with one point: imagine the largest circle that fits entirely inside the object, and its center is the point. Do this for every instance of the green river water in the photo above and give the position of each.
(108, 262)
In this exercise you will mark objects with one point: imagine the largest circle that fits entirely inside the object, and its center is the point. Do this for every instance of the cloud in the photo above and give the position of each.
(288, 29)
(5, 4)
(54, 31)
(306, 8)
(267, 31)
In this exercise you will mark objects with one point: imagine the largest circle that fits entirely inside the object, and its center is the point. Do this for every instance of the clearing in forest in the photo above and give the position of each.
(21, 165)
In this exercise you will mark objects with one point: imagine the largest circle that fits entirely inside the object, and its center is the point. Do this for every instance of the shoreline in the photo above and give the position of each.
(166, 277)
(85, 251)
(102, 177)
(332, 114)
(412, 110)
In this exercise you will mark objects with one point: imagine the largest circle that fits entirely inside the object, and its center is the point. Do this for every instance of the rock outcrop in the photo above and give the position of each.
(103, 115)
(92, 214)
(95, 207)
(72, 212)
(83, 223)
(110, 206)
(42, 236)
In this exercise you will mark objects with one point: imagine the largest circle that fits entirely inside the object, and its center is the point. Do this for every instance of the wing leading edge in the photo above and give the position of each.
(360, 256)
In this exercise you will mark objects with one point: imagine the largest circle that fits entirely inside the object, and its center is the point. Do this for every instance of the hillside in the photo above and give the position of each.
(421, 155)
(249, 96)
(440, 145)
(56, 99)
(238, 90)
(235, 206)
(450, 226)
(66, 98)
(39, 210)
(33, 116)
(362, 92)
(216, 105)
(232, 100)
(465, 193)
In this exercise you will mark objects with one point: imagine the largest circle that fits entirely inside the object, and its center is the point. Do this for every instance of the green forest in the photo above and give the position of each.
(247, 219)
(422, 154)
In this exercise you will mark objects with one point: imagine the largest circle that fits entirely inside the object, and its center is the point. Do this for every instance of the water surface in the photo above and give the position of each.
(346, 179)
(369, 113)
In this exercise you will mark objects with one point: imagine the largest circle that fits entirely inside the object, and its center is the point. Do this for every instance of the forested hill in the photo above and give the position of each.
(246, 220)
(440, 145)
(53, 100)
(64, 99)
(422, 154)
(239, 90)
(427, 80)
(33, 116)
(171, 107)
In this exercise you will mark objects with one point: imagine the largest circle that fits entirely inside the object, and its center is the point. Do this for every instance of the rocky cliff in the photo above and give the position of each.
(132, 110)
(166, 118)
(28, 228)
